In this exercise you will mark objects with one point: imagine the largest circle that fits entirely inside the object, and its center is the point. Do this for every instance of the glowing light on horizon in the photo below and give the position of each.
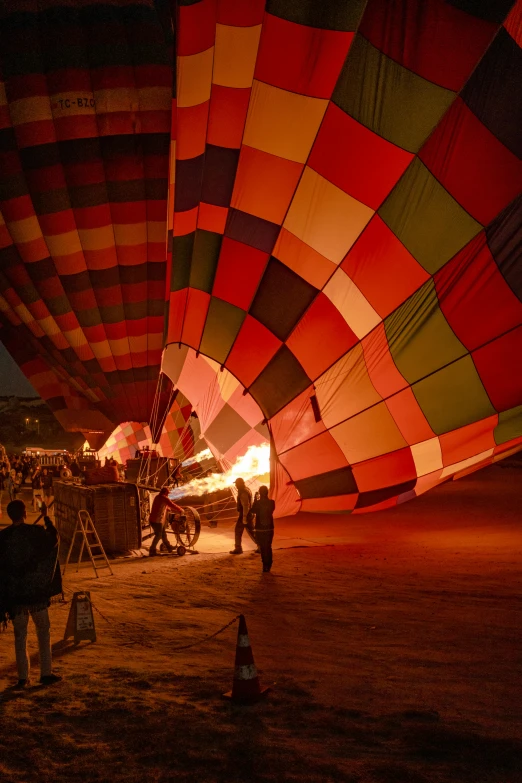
(253, 467)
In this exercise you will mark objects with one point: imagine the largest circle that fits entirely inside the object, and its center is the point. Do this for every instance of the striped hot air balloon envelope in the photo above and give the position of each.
(306, 215)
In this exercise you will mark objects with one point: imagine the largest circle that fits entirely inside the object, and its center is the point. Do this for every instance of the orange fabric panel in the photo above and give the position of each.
(212, 218)
(254, 346)
(381, 368)
(369, 434)
(468, 441)
(195, 316)
(319, 455)
(265, 184)
(228, 111)
(409, 417)
(385, 471)
(321, 337)
(295, 423)
(192, 131)
(307, 262)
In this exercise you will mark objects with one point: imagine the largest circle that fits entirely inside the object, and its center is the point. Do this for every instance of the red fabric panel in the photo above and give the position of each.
(381, 368)
(319, 455)
(513, 23)
(239, 271)
(426, 36)
(474, 297)
(195, 316)
(472, 164)
(382, 268)
(177, 303)
(228, 111)
(197, 27)
(500, 368)
(355, 159)
(337, 503)
(253, 348)
(237, 13)
(321, 337)
(409, 417)
(468, 441)
(385, 471)
(302, 59)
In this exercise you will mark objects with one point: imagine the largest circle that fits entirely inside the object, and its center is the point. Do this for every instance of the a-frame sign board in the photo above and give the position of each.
(80, 623)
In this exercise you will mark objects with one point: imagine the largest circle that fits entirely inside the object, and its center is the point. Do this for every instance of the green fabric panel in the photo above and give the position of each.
(509, 425)
(280, 382)
(223, 323)
(453, 397)
(388, 98)
(427, 220)
(204, 259)
(419, 336)
(342, 15)
(181, 260)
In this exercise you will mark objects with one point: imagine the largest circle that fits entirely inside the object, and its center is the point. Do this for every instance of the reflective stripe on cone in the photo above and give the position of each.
(245, 687)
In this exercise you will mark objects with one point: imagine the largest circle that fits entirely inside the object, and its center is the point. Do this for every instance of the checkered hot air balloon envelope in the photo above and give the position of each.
(308, 215)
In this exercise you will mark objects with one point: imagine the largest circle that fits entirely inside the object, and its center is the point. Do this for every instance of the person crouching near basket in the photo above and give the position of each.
(29, 577)
(158, 520)
(263, 509)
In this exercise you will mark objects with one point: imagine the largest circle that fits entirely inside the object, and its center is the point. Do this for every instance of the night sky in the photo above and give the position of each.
(12, 380)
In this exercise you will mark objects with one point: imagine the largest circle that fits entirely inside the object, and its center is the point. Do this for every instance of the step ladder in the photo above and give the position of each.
(85, 528)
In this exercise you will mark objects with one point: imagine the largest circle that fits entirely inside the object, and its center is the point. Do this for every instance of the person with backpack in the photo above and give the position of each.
(29, 577)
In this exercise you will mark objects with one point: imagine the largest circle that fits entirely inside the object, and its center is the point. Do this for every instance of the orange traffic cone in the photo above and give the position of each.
(245, 688)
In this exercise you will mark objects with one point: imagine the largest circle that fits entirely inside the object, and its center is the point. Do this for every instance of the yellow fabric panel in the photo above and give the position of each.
(194, 78)
(49, 325)
(307, 262)
(63, 244)
(24, 314)
(282, 123)
(345, 389)
(26, 230)
(76, 338)
(352, 304)
(325, 217)
(235, 58)
(154, 98)
(34, 109)
(130, 233)
(96, 238)
(427, 456)
(102, 349)
(65, 104)
(370, 434)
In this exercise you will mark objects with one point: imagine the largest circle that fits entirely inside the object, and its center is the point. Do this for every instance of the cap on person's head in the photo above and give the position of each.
(239, 482)
(263, 491)
(16, 510)
(164, 491)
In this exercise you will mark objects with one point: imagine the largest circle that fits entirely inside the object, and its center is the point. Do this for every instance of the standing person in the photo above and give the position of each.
(47, 487)
(158, 520)
(263, 509)
(36, 484)
(29, 577)
(11, 484)
(244, 506)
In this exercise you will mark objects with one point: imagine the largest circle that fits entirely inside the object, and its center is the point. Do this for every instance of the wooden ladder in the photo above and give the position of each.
(85, 528)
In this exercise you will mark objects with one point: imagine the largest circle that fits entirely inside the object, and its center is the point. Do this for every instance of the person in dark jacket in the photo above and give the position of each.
(29, 577)
(245, 519)
(263, 510)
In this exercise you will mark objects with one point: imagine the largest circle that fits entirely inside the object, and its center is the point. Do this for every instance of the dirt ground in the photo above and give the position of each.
(391, 642)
